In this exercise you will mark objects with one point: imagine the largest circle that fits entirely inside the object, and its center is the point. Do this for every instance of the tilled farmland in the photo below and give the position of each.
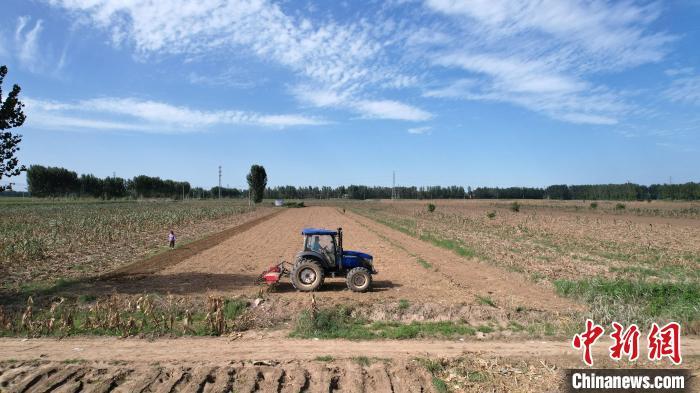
(342, 376)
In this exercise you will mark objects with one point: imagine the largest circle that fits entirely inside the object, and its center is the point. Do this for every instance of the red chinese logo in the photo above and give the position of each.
(626, 342)
(662, 342)
(665, 342)
(586, 339)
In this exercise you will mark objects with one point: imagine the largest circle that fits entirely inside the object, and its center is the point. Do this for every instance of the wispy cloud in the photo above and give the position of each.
(27, 42)
(685, 90)
(420, 130)
(538, 54)
(683, 71)
(131, 114)
(614, 33)
(557, 96)
(388, 109)
(374, 109)
(236, 78)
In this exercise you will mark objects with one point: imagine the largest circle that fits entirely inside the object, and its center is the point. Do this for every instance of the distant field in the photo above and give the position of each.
(630, 261)
(44, 240)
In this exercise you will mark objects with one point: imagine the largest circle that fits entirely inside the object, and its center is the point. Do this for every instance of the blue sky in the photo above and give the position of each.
(480, 93)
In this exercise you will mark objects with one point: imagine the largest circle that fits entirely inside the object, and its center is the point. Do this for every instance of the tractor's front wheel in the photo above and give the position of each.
(307, 275)
(359, 279)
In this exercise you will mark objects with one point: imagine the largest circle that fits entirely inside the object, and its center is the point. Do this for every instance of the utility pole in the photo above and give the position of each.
(393, 185)
(219, 181)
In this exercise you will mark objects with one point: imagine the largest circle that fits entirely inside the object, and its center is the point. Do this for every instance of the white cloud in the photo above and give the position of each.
(539, 54)
(388, 109)
(318, 96)
(685, 90)
(27, 42)
(585, 118)
(147, 116)
(512, 74)
(531, 85)
(420, 130)
(456, 89)
(287, 120)
(614, 32)
(680, 71)
(375, 109)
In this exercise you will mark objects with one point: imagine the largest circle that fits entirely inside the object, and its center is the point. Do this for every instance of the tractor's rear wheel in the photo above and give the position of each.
(359, 279)
(307, 275)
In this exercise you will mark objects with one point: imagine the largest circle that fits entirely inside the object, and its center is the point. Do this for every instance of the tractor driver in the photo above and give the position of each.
(316, 245)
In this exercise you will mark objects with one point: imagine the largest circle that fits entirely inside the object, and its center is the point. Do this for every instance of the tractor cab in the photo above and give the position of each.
(322, 244)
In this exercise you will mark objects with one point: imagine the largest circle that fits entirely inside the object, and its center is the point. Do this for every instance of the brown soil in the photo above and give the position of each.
(255, 346)
(164, 260)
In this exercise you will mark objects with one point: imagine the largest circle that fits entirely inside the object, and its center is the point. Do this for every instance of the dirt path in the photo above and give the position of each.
(279, 349)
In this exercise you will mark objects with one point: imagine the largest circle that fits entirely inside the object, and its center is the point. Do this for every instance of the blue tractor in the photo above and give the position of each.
(323, 255)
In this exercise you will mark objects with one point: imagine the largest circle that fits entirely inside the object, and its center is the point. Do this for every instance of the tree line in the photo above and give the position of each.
(60, 182)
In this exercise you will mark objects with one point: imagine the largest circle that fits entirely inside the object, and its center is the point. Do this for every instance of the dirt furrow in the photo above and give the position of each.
(139, 381)
(221, 382)
(56, 380)
(296, 380)
(36, 378)
(11, 374)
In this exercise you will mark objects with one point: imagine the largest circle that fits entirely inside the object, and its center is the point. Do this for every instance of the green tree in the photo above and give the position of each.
(257, 181)
(52, 181)
(11, 116)
(91, 185)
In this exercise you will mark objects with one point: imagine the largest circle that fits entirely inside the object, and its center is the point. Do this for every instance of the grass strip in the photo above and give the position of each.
(333, 323)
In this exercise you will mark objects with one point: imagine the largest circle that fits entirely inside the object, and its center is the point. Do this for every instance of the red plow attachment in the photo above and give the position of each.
(274, 273)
